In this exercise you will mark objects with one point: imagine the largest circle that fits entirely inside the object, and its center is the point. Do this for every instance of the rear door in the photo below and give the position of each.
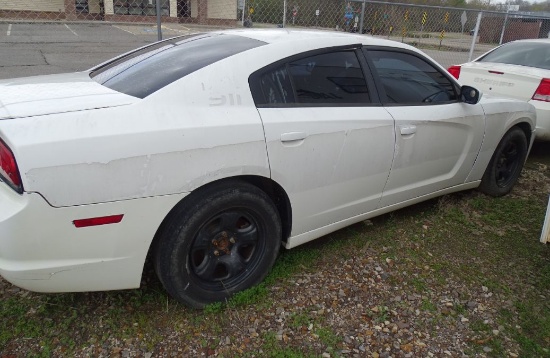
(438, 137)
(330, 142)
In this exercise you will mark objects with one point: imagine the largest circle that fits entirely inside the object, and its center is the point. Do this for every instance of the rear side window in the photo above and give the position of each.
(145, 71)
(276, 86)
(334, 77)
(324, 79)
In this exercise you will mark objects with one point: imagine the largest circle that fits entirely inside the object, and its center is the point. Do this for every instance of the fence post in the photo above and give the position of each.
(503, 28)
(475, 36)
(362, 17)
(284, 13)
(159, 24)
(244, 9)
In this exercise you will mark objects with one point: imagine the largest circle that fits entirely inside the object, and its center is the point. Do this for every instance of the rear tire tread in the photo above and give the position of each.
(511, 151)
(172, 260)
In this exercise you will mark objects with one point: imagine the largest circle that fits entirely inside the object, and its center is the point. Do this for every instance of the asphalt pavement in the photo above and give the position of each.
(28, 49)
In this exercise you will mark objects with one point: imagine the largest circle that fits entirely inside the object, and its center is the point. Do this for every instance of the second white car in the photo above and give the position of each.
(518, 69)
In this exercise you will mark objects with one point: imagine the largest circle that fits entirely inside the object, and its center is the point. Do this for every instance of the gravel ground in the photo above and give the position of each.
(390, 287)
(366, 315)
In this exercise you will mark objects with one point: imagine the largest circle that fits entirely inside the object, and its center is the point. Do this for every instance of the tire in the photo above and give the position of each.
(223, 240)
(506, 164)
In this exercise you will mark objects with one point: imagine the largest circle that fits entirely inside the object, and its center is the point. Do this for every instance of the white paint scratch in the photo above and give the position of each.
(71, 30)
(186, 29)
(120, 28)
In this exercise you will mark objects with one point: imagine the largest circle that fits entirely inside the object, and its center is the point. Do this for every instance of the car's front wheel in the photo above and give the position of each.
(222, 240)
(505, 166)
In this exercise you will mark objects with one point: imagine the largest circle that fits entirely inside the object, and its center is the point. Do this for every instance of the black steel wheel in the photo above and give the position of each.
(506, 164)
(222, 240)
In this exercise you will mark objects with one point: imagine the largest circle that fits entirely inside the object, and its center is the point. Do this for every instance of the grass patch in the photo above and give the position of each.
(428, 306)
(254, 295)
(330, 339)
(534, 332)
(271, 347)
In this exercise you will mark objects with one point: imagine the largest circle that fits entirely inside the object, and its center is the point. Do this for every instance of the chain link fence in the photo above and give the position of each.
(450, 35)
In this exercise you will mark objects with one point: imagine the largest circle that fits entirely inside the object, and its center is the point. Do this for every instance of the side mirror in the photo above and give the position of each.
(469, 95)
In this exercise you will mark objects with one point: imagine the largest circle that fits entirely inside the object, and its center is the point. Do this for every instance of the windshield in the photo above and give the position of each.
(147, 70)
(532, 54)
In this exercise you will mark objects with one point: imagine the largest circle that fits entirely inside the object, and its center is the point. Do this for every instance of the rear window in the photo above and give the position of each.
(532, 54)
(145, 71)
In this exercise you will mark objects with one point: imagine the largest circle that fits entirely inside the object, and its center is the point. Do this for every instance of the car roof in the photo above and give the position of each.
(275, 36)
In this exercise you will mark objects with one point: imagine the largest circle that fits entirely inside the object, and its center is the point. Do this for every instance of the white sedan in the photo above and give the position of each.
(518, 69)
(207, 152)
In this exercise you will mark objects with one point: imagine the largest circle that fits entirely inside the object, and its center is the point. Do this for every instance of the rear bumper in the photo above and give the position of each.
(41, 250)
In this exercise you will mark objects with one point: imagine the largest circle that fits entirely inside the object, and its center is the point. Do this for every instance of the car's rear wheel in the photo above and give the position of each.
(506, 164)
(222, 240)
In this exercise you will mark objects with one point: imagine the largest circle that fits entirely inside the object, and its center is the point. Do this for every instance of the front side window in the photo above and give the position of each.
(408, 79)
(324, 79)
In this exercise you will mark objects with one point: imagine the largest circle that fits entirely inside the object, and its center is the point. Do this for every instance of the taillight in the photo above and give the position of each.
(543, 91)
(455, 71)
(8, 168)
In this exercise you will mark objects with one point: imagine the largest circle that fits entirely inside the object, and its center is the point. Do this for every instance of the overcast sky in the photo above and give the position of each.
(504, 1)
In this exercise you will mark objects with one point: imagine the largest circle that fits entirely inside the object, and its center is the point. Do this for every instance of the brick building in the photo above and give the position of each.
(517, 27)
(191, 11)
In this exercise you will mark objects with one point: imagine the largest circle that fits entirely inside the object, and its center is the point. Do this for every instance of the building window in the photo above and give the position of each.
(141, 7)
(82, 6)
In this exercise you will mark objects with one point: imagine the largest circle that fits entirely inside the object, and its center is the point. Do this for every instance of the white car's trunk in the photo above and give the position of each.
(511, 81)
(51, 94)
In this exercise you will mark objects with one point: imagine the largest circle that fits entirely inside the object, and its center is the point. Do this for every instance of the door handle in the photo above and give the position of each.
(407, 130)
(293, 136)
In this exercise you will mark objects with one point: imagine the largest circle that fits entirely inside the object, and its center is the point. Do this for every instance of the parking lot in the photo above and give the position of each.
(28, 49)
(461, 275)
(34, 49)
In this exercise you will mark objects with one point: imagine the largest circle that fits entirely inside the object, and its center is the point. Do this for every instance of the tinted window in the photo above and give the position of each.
(334, 77)
(276, 86)
(408, 79)
(145, 71)
(530, 54)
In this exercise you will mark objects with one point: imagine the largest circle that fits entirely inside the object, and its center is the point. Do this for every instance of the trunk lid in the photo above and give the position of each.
(41, 95)
(512, 81)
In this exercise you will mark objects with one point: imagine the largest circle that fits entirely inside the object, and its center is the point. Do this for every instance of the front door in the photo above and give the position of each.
(438, 137)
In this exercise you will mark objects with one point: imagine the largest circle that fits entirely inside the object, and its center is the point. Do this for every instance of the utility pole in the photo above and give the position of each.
(284, 13)
(159, 28)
